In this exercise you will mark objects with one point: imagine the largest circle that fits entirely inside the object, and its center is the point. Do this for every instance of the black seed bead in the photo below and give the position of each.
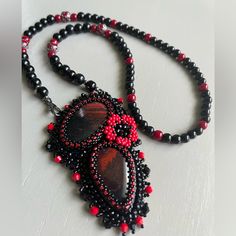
(38, 26)
(129, 85)
(63, 33)
(25, 63)
(101, 19)
(57, 66)
(88, 17)
(90, 85)
(94, 18)
(170, 50)
(205, 93)
(176, 139)
(107, 21)
(201, 80)
(44, 22)
(125, 52)
(143, 124)
(195, 70)
(192, 134)
(30, 75)
(206, 118)
(190, 65)
(164, 46)
(186, 61)
(29, 69)
(136, 32)
(206, 106)
(130, 67)
(24, 56)
(185, 138)
(199, 75)
(125, 28)
(153, 41)
(199, 130)
(54, 59)
(122, 46)
(138, 118)
(132, 105)
(85, 27)
(28, 33)
(58, 37)
(149, 130)
(33, 29)
(207, 99)
(80, 16)
(131, 30)
(78, 28)
(130, 77)
(64, 70)
(42, 92)
(114, 36)
(166, 138)
(70, 29)
(119, 25)
(141, 35)
(34, 82)
(205, 112)
(50, 19)
(70, 74)
(130, 90)
(158, 43)
(78, 79)
(176, 53)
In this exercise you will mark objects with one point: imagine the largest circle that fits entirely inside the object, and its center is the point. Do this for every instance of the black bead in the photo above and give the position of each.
(25, 63)
(119, 25)
(149, 130)
(195, 70)
(143, 124)
(166, 138)
(80, 16)
(125, 28)
(206, 118)
(190, 65)
(185, 138)
(207, 99)
(88, 17)
(44, 22)
(50, 19)
(29, 69)
(141, 34)
(24, 56)
(186, 61)
(85, 27)
(42, 92)
(199, 75)
(136, 32)
(70, 29)
(30, 75)
(192, 134)
(199, 130)
(153, 41)
(114, 36)
(146, 170)
(28, 33)
(205, 112)
(57, 66)
(176, 139)
(94, 18)
(33, 29)
(129, 85)
(130, 77)
(131, 30)
(101, 19)
(158, 43)
(90, 85)
(164, 46)
(34, 82)
(136, 110)
(107, 21)
(64, 70)
(132, 105)
(54, 59)
(205, 93)
(138, 118)
(130, 90)
(63, 33)
(170, 49)
(176, 53)
(130, 67)
(70, 74)
(78, 79)
(58, 37)
(78, 28)
(38, 26)
(201, 80)
(206, 106)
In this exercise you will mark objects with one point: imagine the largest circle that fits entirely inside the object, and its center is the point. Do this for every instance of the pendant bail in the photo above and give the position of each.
(53, 108)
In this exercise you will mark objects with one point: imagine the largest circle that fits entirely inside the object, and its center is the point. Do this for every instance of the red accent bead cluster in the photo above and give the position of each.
(25, 43)
(52, 47)
(111, 134)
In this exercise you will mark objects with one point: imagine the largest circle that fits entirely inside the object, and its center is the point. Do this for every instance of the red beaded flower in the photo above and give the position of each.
(121, 129)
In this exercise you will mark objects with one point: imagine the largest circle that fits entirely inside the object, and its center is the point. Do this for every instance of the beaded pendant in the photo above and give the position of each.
(95, 139)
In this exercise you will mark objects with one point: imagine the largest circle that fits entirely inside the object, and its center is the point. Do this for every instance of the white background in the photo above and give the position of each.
(182, 175)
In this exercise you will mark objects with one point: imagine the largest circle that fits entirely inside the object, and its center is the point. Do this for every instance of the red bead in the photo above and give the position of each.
(24, 50)
(120, 100)
(57, 18)
(203, 87)
(203, 124)
(25, 39)
(147, 37)
(124, 228)
(51, 127)
(107, 33)
(57, 159)
(149, 189)
(113, 23)
(66, 106)
(131, 98)
(139, 220)
(94, 210)
(129, 60)
(141, 155)
(54, 42)
(73, 17)
(51, 53)
(158, 135)
(75, 177)
(181, 57)
(93, 28)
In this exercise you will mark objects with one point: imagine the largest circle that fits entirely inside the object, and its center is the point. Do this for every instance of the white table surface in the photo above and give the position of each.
(182, 175)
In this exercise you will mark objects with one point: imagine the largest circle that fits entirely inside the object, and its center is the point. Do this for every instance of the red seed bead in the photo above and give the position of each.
(124, 227)
(149, 189)
(53, 42)
(181, 57)
(158, 135)
(24, 50)
(107, 33)
(25, 39)
(120, 100)
(57, 159)
(129, 60)
(139, 220)
(131, 98)
(203, 124)
(113, 23)
(73, 17)
(75, 177)
(57, 18)
(141, 155)
(93, 28)
(51, 127)
(203, 87)
(51, 53)
(94, 210)
(147, 37)
(66, 106)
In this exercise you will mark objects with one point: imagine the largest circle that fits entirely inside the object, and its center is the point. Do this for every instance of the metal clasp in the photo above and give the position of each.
(51, 106)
